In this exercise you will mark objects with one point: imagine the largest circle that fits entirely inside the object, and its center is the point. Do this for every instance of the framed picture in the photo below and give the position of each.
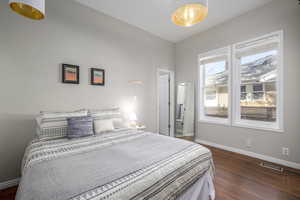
(70, 74)
(97, 76)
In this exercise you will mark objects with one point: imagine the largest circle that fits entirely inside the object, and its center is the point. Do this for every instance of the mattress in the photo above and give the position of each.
(124, 164)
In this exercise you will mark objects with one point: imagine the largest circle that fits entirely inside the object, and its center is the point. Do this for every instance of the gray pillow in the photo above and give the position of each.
(79, 127)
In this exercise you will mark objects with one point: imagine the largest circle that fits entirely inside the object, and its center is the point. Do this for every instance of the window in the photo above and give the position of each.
(258, 93)
(256, 85)
(257, 71)
(214, 87)
(243, 92)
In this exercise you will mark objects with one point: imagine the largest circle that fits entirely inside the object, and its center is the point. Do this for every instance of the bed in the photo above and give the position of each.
(122, 164)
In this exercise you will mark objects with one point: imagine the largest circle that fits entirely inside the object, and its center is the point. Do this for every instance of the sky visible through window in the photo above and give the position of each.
(215, 67)
(252, 58)
(218, 67)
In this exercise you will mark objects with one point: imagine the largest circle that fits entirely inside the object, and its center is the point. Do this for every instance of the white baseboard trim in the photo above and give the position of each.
(10, 183)
(252, 154)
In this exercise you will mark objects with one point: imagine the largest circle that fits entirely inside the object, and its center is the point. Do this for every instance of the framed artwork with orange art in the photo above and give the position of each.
(70, 74)
(97, 76)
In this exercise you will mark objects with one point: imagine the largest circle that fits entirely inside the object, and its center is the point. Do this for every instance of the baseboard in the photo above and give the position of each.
(252, 154)
(10, 183)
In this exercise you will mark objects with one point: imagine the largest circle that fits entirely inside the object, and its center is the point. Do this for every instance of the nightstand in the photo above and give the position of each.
(140, 127)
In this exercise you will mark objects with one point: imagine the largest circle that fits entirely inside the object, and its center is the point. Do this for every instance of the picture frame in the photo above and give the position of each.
(70, 74)
(97, 76)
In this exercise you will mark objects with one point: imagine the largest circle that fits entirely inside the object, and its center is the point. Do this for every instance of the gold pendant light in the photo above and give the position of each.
(190, 12)
(33, 9)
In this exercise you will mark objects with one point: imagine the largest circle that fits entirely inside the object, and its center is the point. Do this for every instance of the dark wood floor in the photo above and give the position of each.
(239, 177)
(8, 194)
(190, 138)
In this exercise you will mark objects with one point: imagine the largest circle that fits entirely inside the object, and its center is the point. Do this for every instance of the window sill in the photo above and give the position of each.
(225, 122)
(242, 124)
(258, 126)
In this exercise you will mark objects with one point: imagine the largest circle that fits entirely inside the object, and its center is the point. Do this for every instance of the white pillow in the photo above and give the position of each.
(52, 125)
(50, 114)
(104, 125)
(119, 123)
(105, 113)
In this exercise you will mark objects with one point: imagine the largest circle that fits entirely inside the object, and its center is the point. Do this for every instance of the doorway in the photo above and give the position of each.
(165, 102)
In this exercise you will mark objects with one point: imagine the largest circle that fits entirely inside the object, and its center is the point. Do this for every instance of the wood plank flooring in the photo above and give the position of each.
(239, 177)
(189, 138)
(8, 194)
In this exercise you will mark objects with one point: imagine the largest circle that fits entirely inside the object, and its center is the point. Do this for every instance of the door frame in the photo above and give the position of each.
(172, 98)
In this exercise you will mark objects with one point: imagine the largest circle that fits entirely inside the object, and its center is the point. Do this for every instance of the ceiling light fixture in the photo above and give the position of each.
(33, 9)
(190, 12)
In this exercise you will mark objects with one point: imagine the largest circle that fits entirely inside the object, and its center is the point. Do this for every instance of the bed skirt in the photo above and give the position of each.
(203, 189)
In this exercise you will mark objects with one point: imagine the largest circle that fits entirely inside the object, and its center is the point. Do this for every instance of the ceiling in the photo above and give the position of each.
(154, 16)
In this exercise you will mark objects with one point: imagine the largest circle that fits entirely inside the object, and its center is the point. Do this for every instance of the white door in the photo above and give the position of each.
(164, 108)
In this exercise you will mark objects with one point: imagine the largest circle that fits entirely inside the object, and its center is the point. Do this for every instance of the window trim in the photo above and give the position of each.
(236, 119)
(201, 116)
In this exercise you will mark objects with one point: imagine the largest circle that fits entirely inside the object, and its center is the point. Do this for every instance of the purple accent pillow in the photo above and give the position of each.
(80, 127)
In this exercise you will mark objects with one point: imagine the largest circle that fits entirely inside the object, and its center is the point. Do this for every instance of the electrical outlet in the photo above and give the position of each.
(249, 143)
(285, 151)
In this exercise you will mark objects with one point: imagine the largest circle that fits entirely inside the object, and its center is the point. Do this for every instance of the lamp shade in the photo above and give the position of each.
(189, 12)
(132, 117)
(33, 9)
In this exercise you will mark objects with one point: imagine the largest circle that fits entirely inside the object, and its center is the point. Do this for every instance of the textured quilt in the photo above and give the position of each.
(125, 164)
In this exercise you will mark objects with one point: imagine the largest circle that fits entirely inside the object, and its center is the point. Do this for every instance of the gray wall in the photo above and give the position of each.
(277, 15)
(30, 55)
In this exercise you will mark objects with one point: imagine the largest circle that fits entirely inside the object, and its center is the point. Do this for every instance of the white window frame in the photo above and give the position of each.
(237, 121)
(234, 91)
(201, 85)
